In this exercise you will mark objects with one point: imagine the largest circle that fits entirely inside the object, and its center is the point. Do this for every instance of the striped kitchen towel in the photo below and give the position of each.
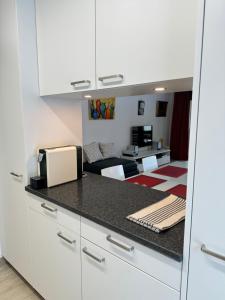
(161, 215)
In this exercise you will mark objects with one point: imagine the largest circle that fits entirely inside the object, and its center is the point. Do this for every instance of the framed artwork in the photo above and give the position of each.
(161, 108)
(102, 109)
(141, 107)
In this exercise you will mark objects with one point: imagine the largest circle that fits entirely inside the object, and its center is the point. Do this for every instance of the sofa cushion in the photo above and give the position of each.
(92, 152)
(130, 167)
(107, 150)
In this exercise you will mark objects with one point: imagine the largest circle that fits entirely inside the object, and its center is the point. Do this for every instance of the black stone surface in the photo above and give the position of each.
(107, 202)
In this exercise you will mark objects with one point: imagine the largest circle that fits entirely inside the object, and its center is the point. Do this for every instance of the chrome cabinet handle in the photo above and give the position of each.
(205, 250)
(48, 208)
(122, 246)
(61, 236)
(87, 82)
(100, 260)
(119, 76)
(16, 175)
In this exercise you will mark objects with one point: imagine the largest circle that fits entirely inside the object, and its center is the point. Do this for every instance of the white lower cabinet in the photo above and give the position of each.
(105, 276)
(55, 253)
(73, 258)
(151, 262)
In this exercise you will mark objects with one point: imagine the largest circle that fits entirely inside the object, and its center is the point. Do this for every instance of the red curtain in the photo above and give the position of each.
(179, 140)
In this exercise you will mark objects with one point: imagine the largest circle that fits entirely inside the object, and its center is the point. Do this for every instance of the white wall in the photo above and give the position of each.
(48, 121)
(118, 130)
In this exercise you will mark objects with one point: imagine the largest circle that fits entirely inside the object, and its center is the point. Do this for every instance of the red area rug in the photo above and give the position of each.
(171, 171)
(146, 181)
(179, 190)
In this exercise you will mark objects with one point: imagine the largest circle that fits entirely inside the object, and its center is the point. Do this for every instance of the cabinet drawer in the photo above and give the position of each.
(151, 262)
(62, 216)
(105, 274)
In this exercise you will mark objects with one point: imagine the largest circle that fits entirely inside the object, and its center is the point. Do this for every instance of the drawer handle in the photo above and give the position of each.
(116, 76)
(61, 236)
(122, 246)
(48, 208)
(211, 253)
(16, 175)
(74, 83)
(99, 260)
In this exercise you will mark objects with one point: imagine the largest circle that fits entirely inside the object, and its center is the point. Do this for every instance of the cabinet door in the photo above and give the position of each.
(142, 41)
(207, 273)
(39, 230)
(12, 153)
(105, 276)
(56, 264)
(66, 45)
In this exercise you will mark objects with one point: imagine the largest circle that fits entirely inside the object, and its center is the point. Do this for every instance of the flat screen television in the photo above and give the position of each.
(141, 136)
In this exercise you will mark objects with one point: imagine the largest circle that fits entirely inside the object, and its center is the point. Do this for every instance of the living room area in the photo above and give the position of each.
(141, 139)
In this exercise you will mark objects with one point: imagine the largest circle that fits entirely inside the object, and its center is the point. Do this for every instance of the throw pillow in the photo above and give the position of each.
(92, 152)
(107, 150)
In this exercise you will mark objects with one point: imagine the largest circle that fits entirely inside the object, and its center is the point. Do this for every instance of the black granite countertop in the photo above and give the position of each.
(107, 202)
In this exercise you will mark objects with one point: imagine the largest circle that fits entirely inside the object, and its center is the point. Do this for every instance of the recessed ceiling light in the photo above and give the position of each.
(87, 96)
(159, 89)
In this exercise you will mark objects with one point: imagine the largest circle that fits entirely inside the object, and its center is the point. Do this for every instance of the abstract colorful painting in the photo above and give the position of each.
(102, 109)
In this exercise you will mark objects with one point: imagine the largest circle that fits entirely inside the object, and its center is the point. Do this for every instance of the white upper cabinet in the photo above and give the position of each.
(66, 45)
(98, 44)
(144, 41)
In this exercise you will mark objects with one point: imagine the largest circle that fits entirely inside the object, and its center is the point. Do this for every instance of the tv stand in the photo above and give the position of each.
(162, 155)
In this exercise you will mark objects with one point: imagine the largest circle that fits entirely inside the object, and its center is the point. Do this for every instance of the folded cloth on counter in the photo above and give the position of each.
(161, 215)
